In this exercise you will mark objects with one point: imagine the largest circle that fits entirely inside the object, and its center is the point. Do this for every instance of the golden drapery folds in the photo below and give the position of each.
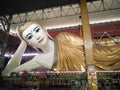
(71, 54)
(107, 57)
(107, 54)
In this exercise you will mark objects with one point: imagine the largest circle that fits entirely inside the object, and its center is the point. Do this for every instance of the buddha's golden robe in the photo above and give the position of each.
(71, 54)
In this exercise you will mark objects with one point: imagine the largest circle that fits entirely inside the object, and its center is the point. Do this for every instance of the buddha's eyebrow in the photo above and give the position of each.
(35, 28)
(28, 34)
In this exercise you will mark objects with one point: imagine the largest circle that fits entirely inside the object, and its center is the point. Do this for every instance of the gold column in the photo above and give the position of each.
(92, 79)
(86, 33)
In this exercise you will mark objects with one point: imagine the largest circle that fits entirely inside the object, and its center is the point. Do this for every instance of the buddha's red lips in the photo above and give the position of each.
(40, 40)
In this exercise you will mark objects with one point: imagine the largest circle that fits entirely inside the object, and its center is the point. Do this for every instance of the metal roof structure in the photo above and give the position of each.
(8, 7)
(65, 12)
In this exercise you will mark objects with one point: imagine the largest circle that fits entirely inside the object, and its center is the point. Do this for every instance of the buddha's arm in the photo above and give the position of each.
(16, 59)
(28, 66)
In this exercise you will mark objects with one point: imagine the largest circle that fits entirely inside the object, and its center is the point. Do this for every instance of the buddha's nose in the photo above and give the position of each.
(37, 37)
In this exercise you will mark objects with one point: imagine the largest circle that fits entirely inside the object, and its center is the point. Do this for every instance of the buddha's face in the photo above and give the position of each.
(35, 35)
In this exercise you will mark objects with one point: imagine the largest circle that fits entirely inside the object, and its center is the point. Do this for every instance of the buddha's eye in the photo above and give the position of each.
(37, 30)
(29, 37)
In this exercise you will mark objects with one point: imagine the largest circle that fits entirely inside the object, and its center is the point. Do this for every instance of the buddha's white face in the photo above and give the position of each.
(35, 35)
